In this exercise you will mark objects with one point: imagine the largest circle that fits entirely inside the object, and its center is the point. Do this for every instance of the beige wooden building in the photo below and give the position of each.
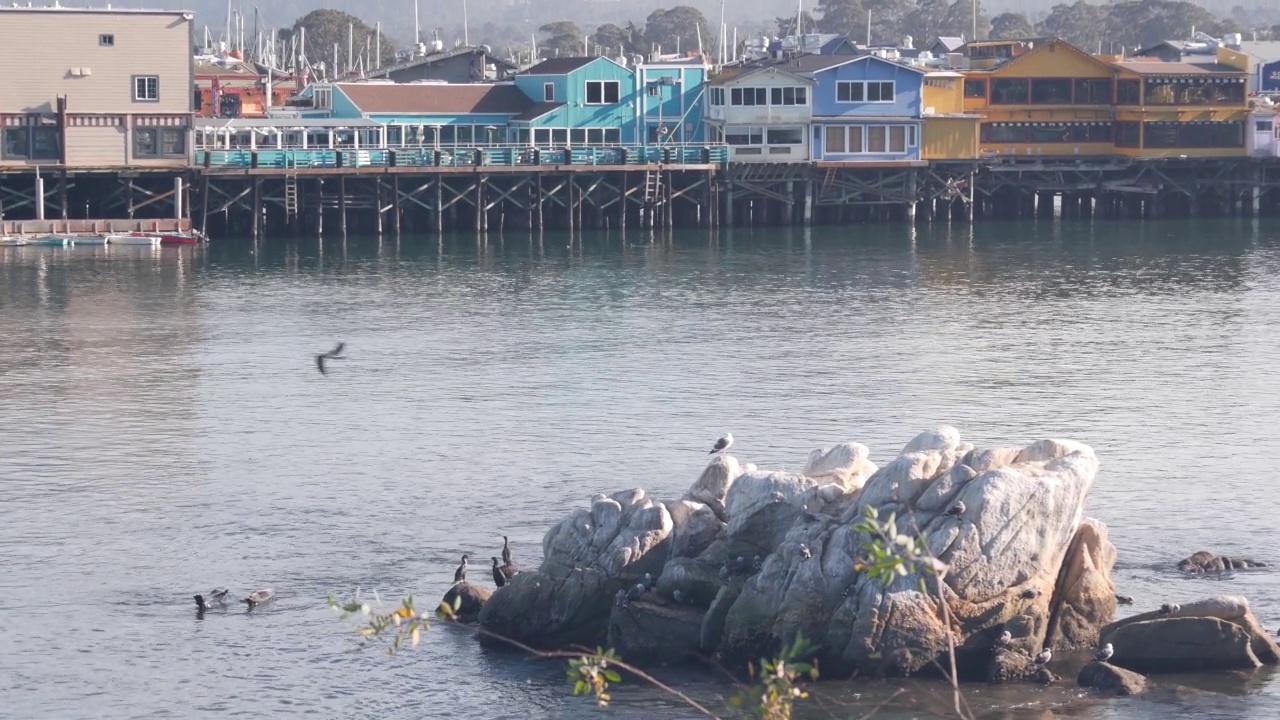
(95, 88)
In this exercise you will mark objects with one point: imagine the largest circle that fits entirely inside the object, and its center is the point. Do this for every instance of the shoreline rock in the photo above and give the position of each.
(1205, 562)
(1021, 555)
(1219, 633)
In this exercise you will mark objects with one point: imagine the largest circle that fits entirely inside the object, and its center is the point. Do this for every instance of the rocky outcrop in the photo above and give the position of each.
(1105, 676)
(757, 558)
(1220, 633)
(1206, 562)
(465, 601)
(588, 557)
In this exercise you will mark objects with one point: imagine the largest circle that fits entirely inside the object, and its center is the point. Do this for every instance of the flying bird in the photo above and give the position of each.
(1104, 653)
(460, 575)
(722, 444)
(334, 354)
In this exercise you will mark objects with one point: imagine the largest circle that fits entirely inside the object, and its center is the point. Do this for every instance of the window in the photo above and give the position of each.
(975, 89)
(785, 136)
(1009, 91)
(1193, 135)
(749, 96)
(322, 98)
(653, 91)
(578, 136)
(880, 91)
(542, 136)
(849, 91)
(835, 139)
(602, 92)
(1264, 126)
(146, 142)
(107, 40)
(1051, 91)
(911, 136)
(717, 96)
(559, 136)
(1128, 134)
(1183, 91)
(1128, 92)
(789, 96)
(743, 136)
(613, 136)
(146, 88)
(1093, 92)
(548, 92)
(876, 137)
(855, 138)
(173, 141)
(897, 138)
(17, 143)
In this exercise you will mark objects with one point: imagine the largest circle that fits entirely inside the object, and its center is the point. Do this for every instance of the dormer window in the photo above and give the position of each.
(548, 92)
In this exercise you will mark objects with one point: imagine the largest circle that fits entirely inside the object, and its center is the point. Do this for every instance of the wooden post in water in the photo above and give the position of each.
(541, 201)
(40, 198)
(395, 203)
(320, 208)
(439, 204)
(377, 204)
(257, 207)
(128, 198)
(62, 193)
(204, 206)
(342, 203)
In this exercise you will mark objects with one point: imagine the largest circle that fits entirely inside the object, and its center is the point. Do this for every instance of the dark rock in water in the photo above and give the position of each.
(1085, 596)
(1009, 664)
(1105, 676)
(1045, 676)
(1207, 562)
(468, 599)
(1219, 633)
(713, 621)
(655, 633)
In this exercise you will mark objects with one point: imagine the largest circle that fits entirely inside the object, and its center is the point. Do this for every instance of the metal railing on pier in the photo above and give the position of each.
(489, 156)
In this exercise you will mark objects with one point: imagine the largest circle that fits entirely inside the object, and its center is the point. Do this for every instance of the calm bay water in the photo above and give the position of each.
(163, 430)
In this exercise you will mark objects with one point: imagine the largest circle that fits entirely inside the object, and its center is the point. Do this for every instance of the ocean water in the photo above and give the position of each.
(163, 430)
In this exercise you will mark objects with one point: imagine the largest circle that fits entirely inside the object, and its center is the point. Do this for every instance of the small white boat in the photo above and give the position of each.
(133, 240)
(90, 240)
(50, 241)
(11, 241)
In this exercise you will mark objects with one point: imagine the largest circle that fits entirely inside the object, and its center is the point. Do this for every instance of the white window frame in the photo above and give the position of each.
(717, 97)
(107, 40)
(893, 90)
(851, 84)
(799, 96)
(322, 98)
(548, 92)
(145, 86)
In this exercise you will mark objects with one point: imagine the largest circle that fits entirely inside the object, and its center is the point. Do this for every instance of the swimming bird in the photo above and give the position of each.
(260, 597)
(1005, 638)
(1104, 653)
(1044, 657)
(334, 354)
(1124, 600)
(957, 509)
(460, 575)
(217, 598)
(506, 551)
(722, 444)
(1168, 609)
(1030, 594)
(805, 552)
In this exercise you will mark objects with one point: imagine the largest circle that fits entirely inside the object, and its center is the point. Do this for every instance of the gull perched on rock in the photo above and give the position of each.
(1005, 638)
(957, 509)
(1044, 657)
(1168, 609)
(1104, 653)
(722, 444)
(805, 552)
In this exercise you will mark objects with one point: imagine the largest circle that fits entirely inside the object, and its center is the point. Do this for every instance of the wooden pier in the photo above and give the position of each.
(256, 199)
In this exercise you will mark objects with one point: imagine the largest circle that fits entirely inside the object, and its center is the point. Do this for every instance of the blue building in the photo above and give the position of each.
(866, 109)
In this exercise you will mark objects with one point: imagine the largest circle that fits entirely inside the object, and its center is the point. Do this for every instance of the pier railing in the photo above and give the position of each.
(465, 157)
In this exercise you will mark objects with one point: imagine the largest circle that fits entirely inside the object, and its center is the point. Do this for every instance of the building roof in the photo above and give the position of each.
(536, 111)
(434, 58)
(951, 43)
(1261, 50)
(437, 98)
(560, 65)
(236, 69)
(1156, 67)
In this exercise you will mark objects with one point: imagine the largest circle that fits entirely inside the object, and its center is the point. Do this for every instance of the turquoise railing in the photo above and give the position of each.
(466, 157)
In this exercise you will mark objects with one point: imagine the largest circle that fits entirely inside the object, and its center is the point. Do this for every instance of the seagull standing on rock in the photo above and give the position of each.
(1044, 657)
(1005, 638)
(805, 552)
(1168, 609)
(722, 444)
(1104, 653)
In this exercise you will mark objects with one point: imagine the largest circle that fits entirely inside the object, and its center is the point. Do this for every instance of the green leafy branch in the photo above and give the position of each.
(776, 687)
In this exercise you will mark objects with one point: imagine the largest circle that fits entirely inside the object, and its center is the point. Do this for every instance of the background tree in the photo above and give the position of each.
(785, 26)
(1142, 23)
(960, 20)
(1081, 24)
(560, 39)
(1009, 26)
(326, 28)
(613, 39)
(927, 21)
(677, 29)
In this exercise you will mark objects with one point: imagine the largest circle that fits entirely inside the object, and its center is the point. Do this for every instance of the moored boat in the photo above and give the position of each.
(50, 241)
(172, 238)
(133, 239)
(11, 241)
(90, 240)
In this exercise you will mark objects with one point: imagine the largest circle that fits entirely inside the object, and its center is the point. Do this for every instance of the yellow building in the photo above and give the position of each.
(1051, 100)
(949, 133)
(1181, 109)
